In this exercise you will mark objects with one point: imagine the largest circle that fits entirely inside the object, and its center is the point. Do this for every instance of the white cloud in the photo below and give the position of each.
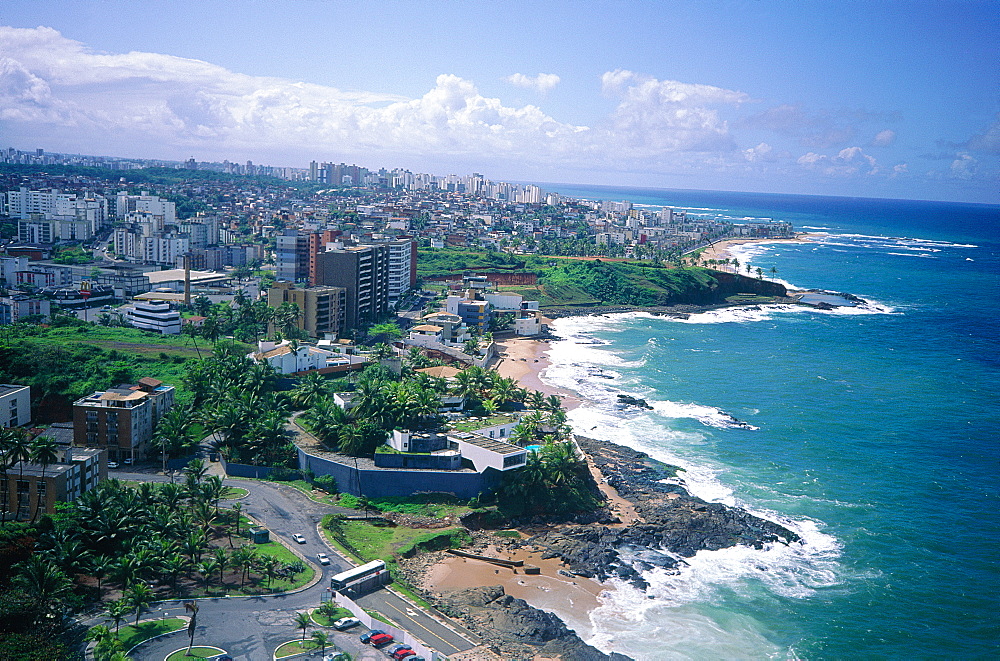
(847, 162)
(762, 152)
(964, 167)
(884, 138)
(542, 83)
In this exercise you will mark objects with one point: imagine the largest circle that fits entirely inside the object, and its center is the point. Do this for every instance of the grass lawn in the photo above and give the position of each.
(132, 635)
(280, 552)
(232, 493)
(470, 424)
(295, 647)
(327, 621)
(196, 652)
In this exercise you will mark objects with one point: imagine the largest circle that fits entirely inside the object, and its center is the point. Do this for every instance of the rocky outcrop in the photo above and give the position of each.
(675, 525)
(516, 630)
(629, 400)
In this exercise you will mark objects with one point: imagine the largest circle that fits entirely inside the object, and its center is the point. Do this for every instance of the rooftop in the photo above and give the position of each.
(491, 444)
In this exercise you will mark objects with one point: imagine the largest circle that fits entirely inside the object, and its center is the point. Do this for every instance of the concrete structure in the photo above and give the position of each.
(15, 405)
(15, 307)
(363, 272)
(29, 486)
(155, 316)
(292, 257)
(473, 312)
(324, 309)
(122, 420)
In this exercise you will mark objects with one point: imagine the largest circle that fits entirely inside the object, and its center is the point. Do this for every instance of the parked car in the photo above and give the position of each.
(402, 652)
(323, 558)
(380, 639)
(299, 538)
(346, 623)
(128, 461)
(395, 648)
(365, 637)
(112, 464)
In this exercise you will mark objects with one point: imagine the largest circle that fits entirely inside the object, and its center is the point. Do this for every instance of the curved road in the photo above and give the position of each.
(251, 628)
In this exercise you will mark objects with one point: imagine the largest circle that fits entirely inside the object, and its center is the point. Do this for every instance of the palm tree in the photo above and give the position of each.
(311, 389)
(774, 271)
(172, 567)
(206, 568)
(222, 562)
(44, 451)
(193, 608)
(43, 581)
(118, 611)
(303, 621)
(100, 566)
(321, 639)
(19, 451)
(139, 596)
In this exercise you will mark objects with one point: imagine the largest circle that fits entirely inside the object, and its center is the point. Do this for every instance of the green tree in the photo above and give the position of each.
(139, 597)
(43, 581)
(44, 451)
(303, 621)
(321, 639)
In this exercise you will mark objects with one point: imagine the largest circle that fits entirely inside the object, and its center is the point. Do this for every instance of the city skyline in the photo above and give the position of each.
(898, 100)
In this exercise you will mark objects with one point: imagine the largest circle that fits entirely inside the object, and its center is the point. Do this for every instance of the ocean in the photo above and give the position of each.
(877, 436)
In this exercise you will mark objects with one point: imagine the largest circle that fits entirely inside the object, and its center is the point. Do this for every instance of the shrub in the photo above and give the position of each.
(327, 483)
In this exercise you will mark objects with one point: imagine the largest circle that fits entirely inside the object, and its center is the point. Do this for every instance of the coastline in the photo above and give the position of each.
(573, 560)
(723, 249)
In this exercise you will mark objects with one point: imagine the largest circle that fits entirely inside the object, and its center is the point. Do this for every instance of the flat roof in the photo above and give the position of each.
(171, 275)
(490, 444)
(7, 388)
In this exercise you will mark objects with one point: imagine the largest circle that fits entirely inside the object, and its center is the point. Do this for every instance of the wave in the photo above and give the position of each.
(910, 254)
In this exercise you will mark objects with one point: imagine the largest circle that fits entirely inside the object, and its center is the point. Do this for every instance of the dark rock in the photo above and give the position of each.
(516, 630)
(628, 400)
(675, 524)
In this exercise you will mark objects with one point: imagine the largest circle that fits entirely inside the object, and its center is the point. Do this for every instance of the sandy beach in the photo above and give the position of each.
(525, 359)
(721, 250)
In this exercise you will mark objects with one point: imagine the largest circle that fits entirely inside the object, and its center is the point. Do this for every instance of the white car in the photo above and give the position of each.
(299, 538)
(112, 464)
(346, 623)
(323, 558)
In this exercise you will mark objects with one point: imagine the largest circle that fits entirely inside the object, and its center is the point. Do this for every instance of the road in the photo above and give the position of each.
(251, 628)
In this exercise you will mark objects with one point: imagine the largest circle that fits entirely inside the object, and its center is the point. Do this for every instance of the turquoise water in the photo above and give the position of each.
(876, 440)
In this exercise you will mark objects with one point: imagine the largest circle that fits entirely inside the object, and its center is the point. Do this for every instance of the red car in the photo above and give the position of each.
(380, 639)
(404, 653)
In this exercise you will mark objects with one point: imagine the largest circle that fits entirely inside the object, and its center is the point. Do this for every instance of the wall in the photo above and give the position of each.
(389, 483)
(436, 462)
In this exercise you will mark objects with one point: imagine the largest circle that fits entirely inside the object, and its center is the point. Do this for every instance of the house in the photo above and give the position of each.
(290, 357)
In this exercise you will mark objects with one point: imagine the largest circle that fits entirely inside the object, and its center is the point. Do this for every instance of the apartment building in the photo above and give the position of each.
(292, 257)
(30, 486)
(363, 271)
(15, 307)
(324, 309)
(15, 405)
(121, 420)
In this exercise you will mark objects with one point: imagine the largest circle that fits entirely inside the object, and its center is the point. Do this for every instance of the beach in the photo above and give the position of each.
(722, 249)
(524, 359)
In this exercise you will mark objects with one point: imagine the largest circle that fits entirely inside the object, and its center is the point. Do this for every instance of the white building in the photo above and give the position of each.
(155, 316)
(126, 204)
(289, 358)
(15, 405)
(485, 452)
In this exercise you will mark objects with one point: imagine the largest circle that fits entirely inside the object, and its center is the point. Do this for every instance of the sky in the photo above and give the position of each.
(882, 98)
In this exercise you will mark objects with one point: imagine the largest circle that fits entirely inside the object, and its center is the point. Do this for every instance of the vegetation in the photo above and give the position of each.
(554, 481)
(329, 613)
(196, 652)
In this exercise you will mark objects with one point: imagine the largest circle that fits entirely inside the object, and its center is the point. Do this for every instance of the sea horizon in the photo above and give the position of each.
(875, 436)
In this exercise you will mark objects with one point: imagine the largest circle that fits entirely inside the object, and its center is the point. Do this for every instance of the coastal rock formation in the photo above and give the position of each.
(674, 525)
(629, 400)
(516, 630)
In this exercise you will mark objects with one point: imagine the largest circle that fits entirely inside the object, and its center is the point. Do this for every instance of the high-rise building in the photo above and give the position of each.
(364, 272)
(291, 256)
(323, 308)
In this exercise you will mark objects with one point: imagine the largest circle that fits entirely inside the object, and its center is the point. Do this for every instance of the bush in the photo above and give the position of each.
(327, 483)
(282, 474)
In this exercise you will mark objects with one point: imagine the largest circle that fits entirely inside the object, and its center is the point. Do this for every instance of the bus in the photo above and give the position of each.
(345, 580)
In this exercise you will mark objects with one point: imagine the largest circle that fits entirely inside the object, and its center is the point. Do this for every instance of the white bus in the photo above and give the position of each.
(348, 579)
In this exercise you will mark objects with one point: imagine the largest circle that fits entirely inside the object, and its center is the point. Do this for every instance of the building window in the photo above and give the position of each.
(23, 506)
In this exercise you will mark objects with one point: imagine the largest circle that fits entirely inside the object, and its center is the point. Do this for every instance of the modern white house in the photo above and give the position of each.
(289, 357)
(155, 316)
(485, 452)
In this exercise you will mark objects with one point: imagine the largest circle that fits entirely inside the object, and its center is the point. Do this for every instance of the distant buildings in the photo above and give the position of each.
(122, 419)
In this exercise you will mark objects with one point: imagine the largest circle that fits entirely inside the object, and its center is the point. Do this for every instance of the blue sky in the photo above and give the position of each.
(882, 99)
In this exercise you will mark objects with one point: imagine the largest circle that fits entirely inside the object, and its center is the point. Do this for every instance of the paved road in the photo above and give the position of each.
(251, 628)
